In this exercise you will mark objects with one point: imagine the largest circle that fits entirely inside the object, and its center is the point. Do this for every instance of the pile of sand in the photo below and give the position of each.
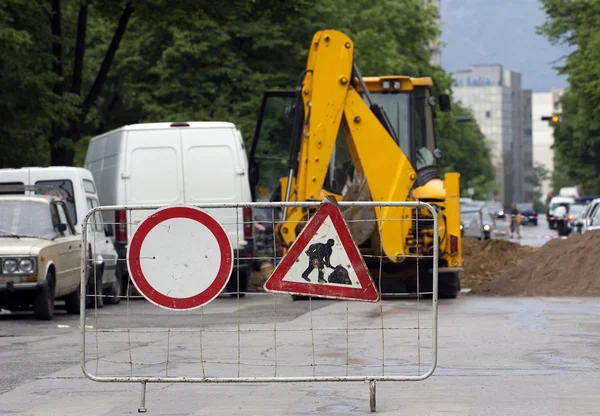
(568, 267)
(484, 261)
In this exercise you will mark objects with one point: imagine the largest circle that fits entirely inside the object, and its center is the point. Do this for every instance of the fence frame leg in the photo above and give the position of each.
(372, 395)
(142, 408)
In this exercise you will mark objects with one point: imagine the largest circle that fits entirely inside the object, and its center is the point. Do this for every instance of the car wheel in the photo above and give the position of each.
(113, 295)
(43, 303)
(73, 302)
(94, 296)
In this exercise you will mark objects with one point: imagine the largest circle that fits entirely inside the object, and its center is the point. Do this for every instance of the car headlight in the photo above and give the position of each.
(18, 265)
(461, 226)
(26, 265)
(9, 266)
(501, 213)
(486, 227)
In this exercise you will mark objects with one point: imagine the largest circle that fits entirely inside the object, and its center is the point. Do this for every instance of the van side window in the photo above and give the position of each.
(89, 186)
(62, 188)
(96, 220)
(8, 188)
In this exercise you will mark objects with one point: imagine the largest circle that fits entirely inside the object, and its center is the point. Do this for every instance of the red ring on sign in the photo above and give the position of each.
(135, 267)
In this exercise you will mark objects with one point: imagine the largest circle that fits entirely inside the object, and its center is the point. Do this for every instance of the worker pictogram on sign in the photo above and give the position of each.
(180, 258)
(324, 262)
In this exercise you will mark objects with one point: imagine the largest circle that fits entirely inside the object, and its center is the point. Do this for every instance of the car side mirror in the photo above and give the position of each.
(61, 228)
(108, 231)
(444, 101)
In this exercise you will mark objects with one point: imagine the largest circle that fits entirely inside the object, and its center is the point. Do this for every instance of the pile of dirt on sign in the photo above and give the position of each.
(559, 268)
(484, 261)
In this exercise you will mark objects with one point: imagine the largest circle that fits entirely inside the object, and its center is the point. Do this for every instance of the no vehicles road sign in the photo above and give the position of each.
(324, 262)
(180, 258)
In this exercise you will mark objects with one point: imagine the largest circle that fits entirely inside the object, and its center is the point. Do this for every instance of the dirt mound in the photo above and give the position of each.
(559, 268)
(484, 261)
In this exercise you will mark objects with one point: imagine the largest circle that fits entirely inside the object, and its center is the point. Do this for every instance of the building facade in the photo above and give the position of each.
(544, 104)
(434, 46)
(499, 104)
(527, 114)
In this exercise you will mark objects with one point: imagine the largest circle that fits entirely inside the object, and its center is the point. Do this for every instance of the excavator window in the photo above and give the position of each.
(396, 106)
(424, 129)
(270, 151)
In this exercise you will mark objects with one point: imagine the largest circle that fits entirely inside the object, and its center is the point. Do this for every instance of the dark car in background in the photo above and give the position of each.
(528, 213)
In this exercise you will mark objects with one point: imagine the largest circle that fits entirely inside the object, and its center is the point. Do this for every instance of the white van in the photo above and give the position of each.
(77, 189)
(553, 204)
(175, 163)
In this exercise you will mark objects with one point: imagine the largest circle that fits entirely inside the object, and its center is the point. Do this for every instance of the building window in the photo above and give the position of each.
(488, 114)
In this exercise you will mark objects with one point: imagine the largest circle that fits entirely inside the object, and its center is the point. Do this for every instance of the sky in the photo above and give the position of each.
(500, 32)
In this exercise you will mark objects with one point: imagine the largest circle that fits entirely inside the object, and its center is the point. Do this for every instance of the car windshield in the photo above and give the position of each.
(524, 207)
(576, 209)
(468, 216)
(494, 205)
(24, 218)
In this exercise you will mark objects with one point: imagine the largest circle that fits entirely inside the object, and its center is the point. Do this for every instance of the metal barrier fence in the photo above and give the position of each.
(252, 336)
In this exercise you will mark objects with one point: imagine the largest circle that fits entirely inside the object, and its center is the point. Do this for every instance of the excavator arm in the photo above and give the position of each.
(330, 101)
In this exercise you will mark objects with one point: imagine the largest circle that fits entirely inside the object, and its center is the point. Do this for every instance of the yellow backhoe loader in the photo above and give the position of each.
(355, 139)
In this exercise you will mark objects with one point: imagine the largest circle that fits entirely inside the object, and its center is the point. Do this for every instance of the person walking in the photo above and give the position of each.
(515, 221)
(560, 214)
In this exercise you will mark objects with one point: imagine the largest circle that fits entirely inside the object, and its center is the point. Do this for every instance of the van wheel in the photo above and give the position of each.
(73, 302)
(232, 286)
(113, 295)
(43, 303)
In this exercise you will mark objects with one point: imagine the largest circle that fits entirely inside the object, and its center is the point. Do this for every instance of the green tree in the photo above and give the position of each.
(540, 175)
(577, 135)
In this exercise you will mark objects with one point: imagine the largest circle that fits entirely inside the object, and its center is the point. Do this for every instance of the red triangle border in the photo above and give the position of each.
(368, 292)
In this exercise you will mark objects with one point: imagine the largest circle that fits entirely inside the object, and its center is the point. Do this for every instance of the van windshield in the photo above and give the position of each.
(62, 188)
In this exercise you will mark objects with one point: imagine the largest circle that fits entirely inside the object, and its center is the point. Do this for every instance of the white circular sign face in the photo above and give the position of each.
(180, 258)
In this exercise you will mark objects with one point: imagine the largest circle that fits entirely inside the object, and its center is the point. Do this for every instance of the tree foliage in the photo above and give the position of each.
(72, 69)
(577, 135)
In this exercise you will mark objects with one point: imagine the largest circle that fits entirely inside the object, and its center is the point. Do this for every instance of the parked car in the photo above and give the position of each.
(589, 218)
(76, 187)
(40, 255)
(175, 163)
(575, 212)
(481, 225)
(528, 213)
(555, 201)
(495, 209)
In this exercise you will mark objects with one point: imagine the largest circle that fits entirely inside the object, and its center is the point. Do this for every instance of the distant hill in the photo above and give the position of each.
(503, 32)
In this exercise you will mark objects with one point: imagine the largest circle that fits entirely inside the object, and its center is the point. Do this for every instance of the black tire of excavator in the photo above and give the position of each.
(448, 285)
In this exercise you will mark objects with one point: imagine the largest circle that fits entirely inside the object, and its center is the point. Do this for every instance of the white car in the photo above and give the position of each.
(76, 187)
(478, 223)
(590, 218)
(40, 255)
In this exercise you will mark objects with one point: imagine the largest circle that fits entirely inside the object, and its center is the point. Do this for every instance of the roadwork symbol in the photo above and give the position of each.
(324, 262)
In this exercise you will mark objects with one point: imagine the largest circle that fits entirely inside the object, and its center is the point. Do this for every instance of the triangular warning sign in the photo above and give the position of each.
(324, 262)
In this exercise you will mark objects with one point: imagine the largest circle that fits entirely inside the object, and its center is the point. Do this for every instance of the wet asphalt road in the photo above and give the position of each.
(497, 356)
